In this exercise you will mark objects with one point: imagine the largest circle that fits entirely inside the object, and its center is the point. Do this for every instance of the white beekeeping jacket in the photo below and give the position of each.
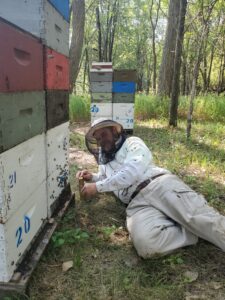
(132, 165)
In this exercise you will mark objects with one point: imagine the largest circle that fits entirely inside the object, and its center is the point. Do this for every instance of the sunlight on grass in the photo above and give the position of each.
(79, 107)
(210, 107)
(93, 233)
(200, 162)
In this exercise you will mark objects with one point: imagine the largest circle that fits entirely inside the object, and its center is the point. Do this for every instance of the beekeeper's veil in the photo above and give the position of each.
(102, 157)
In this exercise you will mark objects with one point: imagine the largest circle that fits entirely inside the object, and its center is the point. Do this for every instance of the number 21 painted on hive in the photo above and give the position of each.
(12, 180)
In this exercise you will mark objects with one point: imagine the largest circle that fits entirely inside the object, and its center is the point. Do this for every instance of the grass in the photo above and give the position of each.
(209, 108)
(79, 108)
(200, 162)
(93, 234)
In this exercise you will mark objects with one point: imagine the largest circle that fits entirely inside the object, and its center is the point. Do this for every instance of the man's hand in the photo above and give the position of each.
(85, 174)
(89, 190)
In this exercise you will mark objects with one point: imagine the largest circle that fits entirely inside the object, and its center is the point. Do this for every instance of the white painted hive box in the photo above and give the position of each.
(17, 233)
(22, 170)
(57, 149)
(123, 113)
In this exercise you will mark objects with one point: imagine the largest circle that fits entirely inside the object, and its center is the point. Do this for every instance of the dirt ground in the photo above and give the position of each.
(105, 264)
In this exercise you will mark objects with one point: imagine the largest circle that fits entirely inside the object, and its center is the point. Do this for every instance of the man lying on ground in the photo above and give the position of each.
(163, 213)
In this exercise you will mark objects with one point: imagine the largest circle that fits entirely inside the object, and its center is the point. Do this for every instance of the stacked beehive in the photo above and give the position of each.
(123, 97)
(101, 90)
(34, 85)
(112, 100)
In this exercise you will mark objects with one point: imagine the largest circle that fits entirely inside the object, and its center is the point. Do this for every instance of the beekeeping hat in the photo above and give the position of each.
(103, 123)
(91, 143)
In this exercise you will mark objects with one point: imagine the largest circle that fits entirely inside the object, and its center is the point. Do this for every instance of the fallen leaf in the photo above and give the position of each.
(191, 276)
(216, 285)
(51, 220)
(131, 261)
(67, 265)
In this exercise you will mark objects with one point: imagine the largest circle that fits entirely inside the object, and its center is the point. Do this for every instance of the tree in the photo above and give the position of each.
(106, 21)
(153, 27)
(177, 64)
(78, 22)
(203, 30)
(167, 63)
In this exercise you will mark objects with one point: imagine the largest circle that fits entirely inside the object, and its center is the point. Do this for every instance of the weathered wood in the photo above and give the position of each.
(56, 68)
(123, 113)
(101, 97)
(57, 147)
(101, 110)
(101, 87)
(123, 98)
(22, 116)
(22, 171)
(125, 75)
(101, 65)
(21, 60)
(28, 265)
(41, 19)
(57, 108)
(101, 75)
(19, 231)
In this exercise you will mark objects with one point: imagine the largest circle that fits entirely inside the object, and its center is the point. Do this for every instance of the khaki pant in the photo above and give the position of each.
(167, 214)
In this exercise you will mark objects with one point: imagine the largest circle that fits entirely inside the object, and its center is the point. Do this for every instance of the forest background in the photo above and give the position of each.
(177, 48)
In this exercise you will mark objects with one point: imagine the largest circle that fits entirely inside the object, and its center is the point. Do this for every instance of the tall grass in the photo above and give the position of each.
(147, 107)
(79, 108)
(209, 107)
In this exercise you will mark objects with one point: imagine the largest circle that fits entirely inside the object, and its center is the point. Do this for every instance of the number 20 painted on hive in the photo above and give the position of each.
(19, 231)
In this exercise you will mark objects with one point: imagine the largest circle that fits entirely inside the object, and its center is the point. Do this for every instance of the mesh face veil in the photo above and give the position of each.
(103, 157)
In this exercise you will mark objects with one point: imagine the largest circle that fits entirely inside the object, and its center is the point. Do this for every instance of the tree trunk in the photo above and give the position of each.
(78, 12)
(167, 63)
(197, 66)
(185, 68)
(113, 25)
(210, 67)
(98, 23)
(106, 26)
(86, 69)
(184, 72)
(193, 90)
(177, 64)
(148, 79)
(154, 25)
(221, 87)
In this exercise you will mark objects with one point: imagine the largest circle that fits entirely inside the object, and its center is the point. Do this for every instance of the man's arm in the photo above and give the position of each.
(100, 175)
(92, 177)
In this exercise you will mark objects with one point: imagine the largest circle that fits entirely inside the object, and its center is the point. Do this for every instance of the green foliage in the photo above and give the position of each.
(69, 237)
(106, 266)
(209, 108)
(147, 107)
(79, 108)
(77, 140)
(174, 260)
(108, 230)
